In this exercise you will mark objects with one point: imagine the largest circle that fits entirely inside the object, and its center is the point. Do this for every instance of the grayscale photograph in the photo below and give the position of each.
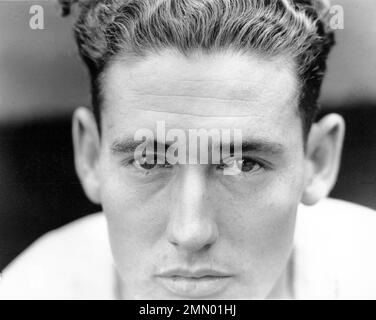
(188, 150)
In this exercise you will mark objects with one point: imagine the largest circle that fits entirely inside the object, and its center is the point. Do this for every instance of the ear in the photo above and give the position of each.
(86, 144)
(323, 158)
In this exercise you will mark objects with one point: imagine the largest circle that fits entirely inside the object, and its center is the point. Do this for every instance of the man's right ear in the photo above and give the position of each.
(86, 142)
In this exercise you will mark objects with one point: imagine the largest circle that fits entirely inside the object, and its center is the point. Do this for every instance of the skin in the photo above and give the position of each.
(193, 216)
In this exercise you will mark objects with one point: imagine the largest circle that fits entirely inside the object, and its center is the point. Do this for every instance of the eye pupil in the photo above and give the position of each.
(147, 166)
(247, 166)
(244, 165)
(146, 163)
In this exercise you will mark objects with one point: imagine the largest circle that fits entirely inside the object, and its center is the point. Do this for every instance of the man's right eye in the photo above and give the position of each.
(144, 165)
(147, 166)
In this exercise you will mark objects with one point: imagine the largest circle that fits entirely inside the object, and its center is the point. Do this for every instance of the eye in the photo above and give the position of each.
(248, 165)
(147, 166)
(143, 165)
(232, 166)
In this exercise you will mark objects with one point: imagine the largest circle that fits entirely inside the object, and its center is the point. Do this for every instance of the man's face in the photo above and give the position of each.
(189, 231)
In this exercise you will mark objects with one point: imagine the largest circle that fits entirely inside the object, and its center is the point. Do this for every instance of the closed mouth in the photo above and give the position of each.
(199, 273)
(194, 284)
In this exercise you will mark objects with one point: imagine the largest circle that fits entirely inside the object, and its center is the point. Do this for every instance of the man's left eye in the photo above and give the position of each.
(248, 165)
(234, 166)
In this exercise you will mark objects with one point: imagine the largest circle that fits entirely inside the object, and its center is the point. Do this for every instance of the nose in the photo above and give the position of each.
(191, 226)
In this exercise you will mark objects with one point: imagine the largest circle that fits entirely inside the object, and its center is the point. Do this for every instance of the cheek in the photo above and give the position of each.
(135, 212)
(135, 223)
(262, 219)
(261, 223)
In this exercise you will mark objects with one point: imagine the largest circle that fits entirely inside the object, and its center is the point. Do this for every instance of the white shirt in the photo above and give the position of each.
(334, 258)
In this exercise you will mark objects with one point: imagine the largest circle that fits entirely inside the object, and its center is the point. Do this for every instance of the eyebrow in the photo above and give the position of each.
(262, 146)
(129, 145)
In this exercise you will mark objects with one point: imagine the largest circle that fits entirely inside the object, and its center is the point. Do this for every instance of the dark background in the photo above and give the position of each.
(42, 81)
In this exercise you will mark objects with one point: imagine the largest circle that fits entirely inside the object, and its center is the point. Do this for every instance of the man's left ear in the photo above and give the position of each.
(323, 157)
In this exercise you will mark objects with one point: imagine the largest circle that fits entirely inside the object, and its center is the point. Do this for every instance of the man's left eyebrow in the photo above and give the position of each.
(262, 146)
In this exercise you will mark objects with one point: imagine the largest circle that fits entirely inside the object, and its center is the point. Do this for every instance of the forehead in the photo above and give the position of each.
(223, 90)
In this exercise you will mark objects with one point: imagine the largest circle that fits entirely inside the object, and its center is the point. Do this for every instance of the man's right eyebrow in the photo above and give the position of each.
(125, 146)
(129, 145)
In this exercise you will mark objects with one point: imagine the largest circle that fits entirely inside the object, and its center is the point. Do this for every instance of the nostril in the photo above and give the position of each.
(207, 247)
(196, 236)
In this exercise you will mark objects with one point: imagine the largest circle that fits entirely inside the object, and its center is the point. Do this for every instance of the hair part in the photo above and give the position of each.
(296, 28)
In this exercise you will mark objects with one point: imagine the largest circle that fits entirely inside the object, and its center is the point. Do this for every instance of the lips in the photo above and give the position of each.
(198, 283)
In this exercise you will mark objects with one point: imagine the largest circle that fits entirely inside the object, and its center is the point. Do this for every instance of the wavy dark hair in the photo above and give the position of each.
(298, 28)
